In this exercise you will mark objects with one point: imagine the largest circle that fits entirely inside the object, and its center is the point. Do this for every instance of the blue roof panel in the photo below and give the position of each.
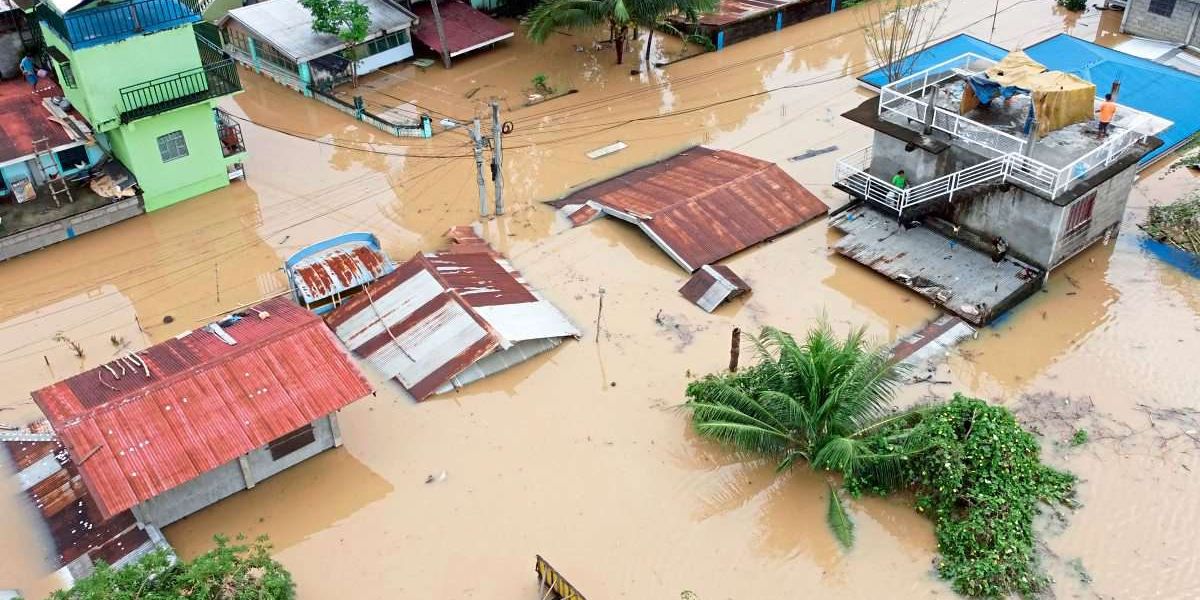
(940, 53)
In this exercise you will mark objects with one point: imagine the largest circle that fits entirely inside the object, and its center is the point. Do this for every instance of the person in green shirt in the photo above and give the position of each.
(900, 180)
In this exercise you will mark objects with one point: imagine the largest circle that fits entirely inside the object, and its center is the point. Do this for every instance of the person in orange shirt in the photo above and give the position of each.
(1107, 110)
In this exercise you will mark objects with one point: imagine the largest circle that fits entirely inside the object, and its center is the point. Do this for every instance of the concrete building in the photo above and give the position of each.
(275, 38)
(148, 85)
(993, 202)
(1171, 20)
(158, 434)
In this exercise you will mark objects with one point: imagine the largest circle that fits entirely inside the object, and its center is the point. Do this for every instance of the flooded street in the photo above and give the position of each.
(579, 455)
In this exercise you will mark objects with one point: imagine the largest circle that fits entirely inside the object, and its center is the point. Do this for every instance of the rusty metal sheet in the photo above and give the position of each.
(703, 205)
(337, 266)
(203, 403)
(712, 285)
(438, 314)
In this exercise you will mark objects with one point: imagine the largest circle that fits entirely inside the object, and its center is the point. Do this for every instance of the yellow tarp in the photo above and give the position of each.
(1059, 99)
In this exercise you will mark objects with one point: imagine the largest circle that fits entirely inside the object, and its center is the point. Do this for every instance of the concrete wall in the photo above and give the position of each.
(1108, 211)
(1139, 21)
(228, 479)
(65, 229)
(1027, 222)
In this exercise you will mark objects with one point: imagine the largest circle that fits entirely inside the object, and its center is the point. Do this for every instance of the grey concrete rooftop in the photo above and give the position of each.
(956, 277)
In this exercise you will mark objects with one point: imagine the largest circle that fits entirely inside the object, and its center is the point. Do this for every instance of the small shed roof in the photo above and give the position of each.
(701, 205)
(287, 26)
(439, 314)
(143, 424)
(713, 285)
(466, 29)
(337, 265)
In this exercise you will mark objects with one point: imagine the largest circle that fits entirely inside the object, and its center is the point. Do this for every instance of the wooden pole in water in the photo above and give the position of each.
(441, 32)
(477, 138)
(735, 349)
(599, 313)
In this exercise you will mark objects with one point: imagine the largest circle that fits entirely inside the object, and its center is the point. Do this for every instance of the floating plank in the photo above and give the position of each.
(606, 150)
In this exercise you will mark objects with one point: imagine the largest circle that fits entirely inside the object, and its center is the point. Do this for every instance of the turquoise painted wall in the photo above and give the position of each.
(165, 183)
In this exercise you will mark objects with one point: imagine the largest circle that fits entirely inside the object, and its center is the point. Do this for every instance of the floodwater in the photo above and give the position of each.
(579, 455)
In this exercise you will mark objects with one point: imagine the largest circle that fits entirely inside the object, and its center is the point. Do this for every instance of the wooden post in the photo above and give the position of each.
(441, 33)
(735, 349)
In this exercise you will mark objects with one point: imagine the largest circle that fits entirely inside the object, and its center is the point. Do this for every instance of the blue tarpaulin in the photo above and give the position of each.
(987, 90)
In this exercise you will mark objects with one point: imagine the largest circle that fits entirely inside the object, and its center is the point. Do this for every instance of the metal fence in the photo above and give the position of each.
(114, 22)
(180, 89)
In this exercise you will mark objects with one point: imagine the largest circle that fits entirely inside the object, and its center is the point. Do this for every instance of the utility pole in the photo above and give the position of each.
(441, 31)
(478, 139)
(995, 13)
(497, 163)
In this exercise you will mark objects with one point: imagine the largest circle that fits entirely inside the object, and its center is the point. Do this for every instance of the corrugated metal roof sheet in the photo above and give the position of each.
(336, 266)
(439, 314)
(49, 478)
(465, 28)
(145, 424)
(703, 205)
(712, 285)
(287, 25)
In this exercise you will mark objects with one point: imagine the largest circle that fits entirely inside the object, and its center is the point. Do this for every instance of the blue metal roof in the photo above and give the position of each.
(1145, 85)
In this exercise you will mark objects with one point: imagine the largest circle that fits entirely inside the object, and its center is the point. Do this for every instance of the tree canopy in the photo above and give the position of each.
(621, 16)
(348, 19)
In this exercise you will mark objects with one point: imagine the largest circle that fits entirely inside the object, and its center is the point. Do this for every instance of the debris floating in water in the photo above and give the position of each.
(606, 150)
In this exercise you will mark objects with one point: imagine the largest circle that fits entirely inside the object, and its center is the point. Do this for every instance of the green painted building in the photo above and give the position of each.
(148, 84)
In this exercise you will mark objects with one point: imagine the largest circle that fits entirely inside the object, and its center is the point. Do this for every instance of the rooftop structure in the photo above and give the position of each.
(287, 26)
(329, 271)
(984, 175)
(151, 421)
(445, 319)
(466, 29)
(49, 477)
(24, 119)
(712, 286)
(739, 20)
(701, 205)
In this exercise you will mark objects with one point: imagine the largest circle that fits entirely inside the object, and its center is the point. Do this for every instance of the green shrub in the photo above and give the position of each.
(227, 572)
(980, 478)
(1075, 5)
(1079, 438)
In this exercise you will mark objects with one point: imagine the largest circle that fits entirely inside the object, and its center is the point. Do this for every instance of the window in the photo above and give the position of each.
(1162, 7)
(292, 442)
(387, 42)
(1081, 214)
(172, 146)
(73, 158)
(66, 75)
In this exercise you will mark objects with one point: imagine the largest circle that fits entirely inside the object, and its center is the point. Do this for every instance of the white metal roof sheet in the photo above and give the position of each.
(287, 25)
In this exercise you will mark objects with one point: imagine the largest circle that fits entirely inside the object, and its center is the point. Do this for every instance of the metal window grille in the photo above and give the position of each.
(1162, 7)
(1081, 213)
(172, 146)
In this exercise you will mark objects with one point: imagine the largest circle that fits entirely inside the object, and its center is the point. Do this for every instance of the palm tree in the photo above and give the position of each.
(621, 16)
(817, 402)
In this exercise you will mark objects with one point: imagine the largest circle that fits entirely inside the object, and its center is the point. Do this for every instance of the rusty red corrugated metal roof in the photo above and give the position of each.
(465, 28)
(203, 403)
(712, 285)
(438, 314)
(336, 266)
(703, 205)
(49, 478)
(732, 11)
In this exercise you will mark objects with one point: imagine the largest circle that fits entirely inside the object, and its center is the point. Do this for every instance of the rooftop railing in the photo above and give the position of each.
(88, 27)
(908, 98)
(179, 89)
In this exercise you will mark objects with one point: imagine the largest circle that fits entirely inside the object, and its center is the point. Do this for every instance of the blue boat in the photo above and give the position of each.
(324, 274)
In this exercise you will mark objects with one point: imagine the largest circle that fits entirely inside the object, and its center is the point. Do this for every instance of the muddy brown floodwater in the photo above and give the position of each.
(579, 455)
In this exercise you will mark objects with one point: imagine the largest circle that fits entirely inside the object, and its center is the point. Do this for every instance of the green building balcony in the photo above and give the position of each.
(87, 27)
(157, 96)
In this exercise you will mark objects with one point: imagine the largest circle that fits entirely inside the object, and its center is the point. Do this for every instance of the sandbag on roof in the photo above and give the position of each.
(1059, 99)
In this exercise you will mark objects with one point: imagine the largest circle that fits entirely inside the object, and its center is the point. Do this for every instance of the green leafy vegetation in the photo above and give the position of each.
(541, 85)
(1177, 224)
(228, 572)
(1079, 438)
(349, 20)
(970, 467)
(1073, 5)
(622, 17)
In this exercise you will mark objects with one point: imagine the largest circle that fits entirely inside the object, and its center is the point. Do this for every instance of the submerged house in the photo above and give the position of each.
(1007, 179)
(148, 86)
(275, 37)
(1170, 20)
(158, 434)
(445, 319)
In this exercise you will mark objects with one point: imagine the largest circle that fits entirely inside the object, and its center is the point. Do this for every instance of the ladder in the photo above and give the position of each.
(55, 183)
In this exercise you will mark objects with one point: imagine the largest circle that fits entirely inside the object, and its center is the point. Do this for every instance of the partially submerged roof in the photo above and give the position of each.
(337, 265)
(156, 419)
(24, 119)
(444, 319)
(287, 25)
(733, 11)
(466, 29)
(47, 475)
(701, 205)
(712, 285)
